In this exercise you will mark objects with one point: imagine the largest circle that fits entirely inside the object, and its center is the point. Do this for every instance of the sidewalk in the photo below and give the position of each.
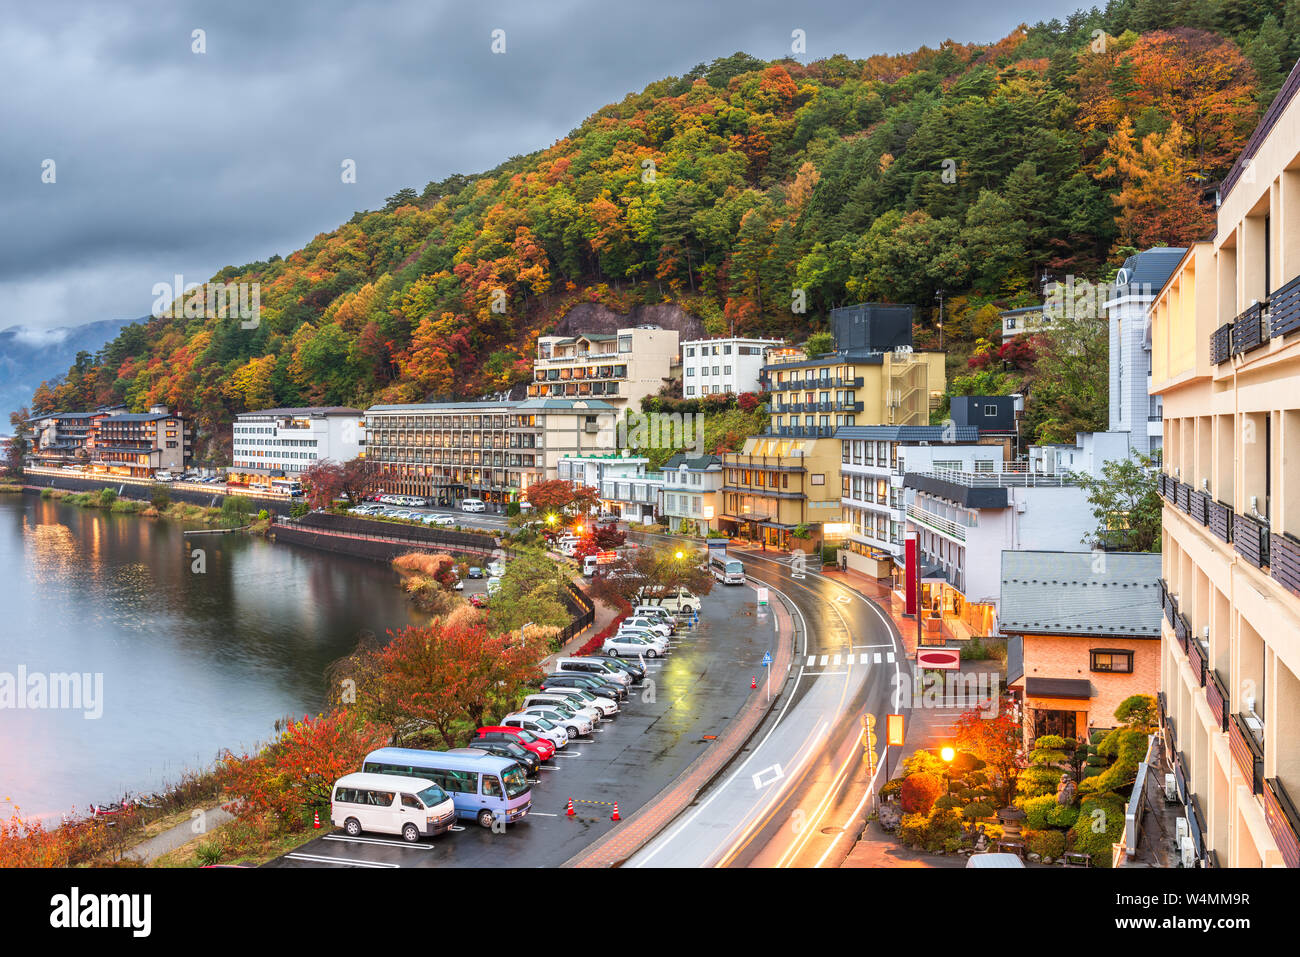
(642, 826)
(155, 847)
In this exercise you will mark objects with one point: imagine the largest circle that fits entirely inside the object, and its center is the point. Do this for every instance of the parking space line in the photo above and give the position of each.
(346, 861)
(377, 840)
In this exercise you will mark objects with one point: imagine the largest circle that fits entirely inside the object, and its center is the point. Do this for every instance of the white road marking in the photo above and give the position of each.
(317, 859)
(377, 840)
(877, 657)
(761, 781)
(541, 814)
(836, 661)
(825, 660)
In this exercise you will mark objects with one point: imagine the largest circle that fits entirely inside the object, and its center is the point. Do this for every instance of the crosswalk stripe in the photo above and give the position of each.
(812, 660)
(891, 657)
(825, 658)
(877, 657)
(837, 660)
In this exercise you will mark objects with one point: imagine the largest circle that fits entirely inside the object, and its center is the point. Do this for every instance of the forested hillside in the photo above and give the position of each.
(736, 191)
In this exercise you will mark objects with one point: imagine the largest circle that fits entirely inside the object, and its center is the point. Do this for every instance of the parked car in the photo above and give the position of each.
(543, 699)
(633, 669)
(608, 707)
(473, 505)
(444, 520)
(528, 760)
(638, 631)
(626, 645)
(649, 624)
(594, 666)
(538, 726)
(475, 572)
(542, 747)
(656, 612)
(597, 686)
(574, 724)
(458, 585)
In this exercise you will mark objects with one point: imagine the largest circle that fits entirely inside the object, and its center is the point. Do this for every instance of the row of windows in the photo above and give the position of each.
(726, 370)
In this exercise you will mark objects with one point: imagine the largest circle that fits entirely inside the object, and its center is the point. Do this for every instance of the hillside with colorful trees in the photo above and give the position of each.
(742, 192)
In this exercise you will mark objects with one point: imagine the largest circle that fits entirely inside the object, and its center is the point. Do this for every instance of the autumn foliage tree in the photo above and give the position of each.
(326, 481)
(997, 741)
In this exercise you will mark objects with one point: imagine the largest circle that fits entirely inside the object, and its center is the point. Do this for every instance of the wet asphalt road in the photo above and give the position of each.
(698, 688)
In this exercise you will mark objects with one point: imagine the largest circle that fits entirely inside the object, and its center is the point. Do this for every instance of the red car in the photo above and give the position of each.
(539, 746)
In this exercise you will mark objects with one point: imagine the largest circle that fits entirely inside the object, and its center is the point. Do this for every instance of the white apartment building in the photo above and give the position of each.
(620, 368)
(287, 441)
(691, 497)
(875, 459)
(627, 488)
(724, 365)
(1091, 450)
(957, 514)
(1132, 408)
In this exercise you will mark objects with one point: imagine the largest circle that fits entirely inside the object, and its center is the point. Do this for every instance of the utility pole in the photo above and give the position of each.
(939, 294)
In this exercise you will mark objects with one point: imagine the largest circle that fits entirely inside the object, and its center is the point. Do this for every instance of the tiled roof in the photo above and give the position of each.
(909, 433)
(1151, 268)
(1080, 593)
(306, 410)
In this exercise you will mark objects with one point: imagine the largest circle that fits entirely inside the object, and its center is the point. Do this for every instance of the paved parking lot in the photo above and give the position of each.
(696, 691)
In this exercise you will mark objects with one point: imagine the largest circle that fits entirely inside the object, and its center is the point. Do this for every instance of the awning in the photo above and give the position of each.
(1078, 688)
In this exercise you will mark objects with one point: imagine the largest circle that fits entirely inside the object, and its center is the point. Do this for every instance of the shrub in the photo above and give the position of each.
(263, 515)
(1036, 811)
(1059, 815)
(978, 811)
(1047, 844)
(891, 788)
(911, 830)
(947, 801)
(107, 497)
(943, 826)
(1099, 825)
(160, 496)
(920, 791)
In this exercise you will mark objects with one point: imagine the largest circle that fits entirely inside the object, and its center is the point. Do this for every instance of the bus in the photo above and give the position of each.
(286, 485)
(486, 789)
(729, 571)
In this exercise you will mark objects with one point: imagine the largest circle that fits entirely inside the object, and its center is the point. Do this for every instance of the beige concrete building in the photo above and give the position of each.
(619, 368)
(1225, 336)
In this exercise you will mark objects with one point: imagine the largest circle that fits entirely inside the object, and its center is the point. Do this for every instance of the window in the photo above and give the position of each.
(690, 390)
(408, 800)
(690, 370)
(990, 410)
(1111, 659)
(819, 478)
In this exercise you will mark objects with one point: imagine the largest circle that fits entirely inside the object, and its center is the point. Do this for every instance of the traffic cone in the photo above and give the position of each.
(614, 816)
(316, 818)
(753, 682)
(570, 812)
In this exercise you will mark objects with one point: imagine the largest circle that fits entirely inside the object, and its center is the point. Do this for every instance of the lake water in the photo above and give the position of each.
(191, 663)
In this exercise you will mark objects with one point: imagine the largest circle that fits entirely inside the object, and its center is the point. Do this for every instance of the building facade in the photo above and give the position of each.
(690, 500)
(271, 443)
(139, 444)
(1226, 365)
(1089, 628)
(724, 365)
(619, 368)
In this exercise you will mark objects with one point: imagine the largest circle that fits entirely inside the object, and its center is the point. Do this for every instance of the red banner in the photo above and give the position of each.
(912, 556)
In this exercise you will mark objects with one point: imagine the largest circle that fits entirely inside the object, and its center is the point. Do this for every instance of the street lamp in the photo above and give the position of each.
(939, 294)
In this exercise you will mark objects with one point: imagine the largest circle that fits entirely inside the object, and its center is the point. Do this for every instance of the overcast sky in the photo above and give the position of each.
(169, 161)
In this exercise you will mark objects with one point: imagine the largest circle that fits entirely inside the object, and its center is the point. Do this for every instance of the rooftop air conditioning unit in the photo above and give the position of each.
(1182, 830)
(1187, 853)
(1171, 791)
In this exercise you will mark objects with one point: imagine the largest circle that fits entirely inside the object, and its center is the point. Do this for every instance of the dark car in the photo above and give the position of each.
(631, 668)
(573, 679)
(510, 749)
(475, 572)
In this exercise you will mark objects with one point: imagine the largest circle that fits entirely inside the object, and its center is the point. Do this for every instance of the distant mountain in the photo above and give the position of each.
(31, 356)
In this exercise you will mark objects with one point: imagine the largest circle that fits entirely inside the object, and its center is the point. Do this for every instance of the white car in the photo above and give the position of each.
(548, 699)
(493, 584)
(458, 585)
(606, 706)
(650, 625)
(573, 723)
(635, 631)
(630, 646)
(444, 520)
(539, 726)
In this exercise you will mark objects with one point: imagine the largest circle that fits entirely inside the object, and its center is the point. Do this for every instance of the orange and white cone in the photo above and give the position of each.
(614, 816)
(753, 682)
(316, 818)
(570, 812)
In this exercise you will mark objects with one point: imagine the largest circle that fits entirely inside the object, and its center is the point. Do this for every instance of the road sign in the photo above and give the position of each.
(762, 596)
(944, 659)
(767, 658)
(894, 730)
(605, 558)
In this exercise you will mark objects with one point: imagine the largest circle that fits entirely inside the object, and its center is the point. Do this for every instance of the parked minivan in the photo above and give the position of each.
(390, 804)
(594, 666)
(681, 603)
(473, 505)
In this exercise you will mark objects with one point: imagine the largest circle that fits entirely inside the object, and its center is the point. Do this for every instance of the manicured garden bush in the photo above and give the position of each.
(1047, 844)
(978, 811)
(1100, 824)
(920, 791)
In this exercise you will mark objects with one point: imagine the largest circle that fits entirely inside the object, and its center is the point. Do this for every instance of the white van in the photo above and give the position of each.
(391, 804)
(472, 505)
(589, 565)
(682, 603)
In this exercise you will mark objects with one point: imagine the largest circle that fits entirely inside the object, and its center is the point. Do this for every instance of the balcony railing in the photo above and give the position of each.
(1220, 520)
(1250, 329)
(1250, 538)
(1284, 308)
(1200, 510)
(1283, 821)
(1183, 497)
(1196, 656)
(1284, 561)
(1221, 343)
(1000, 479)
(1168, 603)
(936, 522)
(1247, 751)
(1182, 630)
(1216, 693)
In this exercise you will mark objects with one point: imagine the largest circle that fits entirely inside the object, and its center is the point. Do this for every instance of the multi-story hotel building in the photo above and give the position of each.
(66, 438)
(544, 431)
(619, 368)
(691, 491)
(445, 451)
(724, 365)
(139, 444)
(1225, 335)
(789, 476)
(284, 442)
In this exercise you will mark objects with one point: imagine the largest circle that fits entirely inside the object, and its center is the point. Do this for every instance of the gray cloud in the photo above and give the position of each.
(171, 162)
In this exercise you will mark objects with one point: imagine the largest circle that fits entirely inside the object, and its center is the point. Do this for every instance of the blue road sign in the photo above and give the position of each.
(767, 658)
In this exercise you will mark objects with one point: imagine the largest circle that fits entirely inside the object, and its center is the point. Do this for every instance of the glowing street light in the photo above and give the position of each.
(947, 753)
(681, 554)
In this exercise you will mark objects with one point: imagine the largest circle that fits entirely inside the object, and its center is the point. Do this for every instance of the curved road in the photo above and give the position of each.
(802, 785)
